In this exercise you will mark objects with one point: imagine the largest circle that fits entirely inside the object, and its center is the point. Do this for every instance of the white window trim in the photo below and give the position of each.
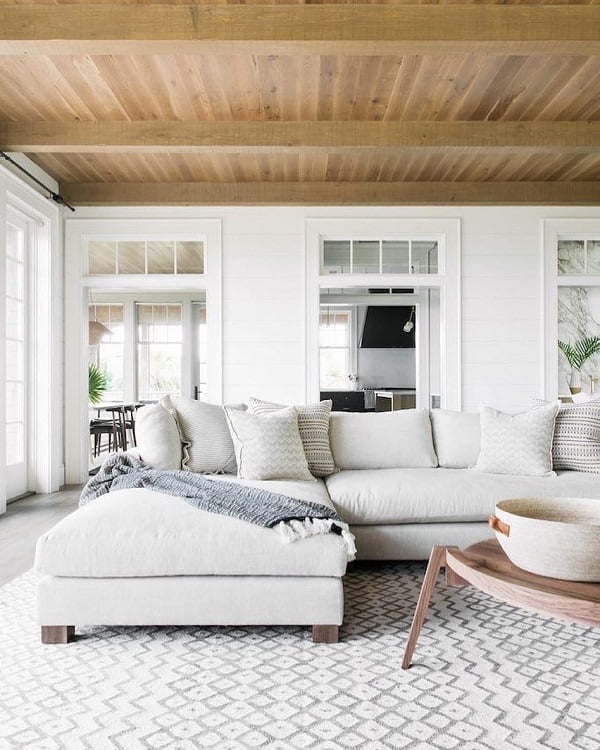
(45, 459)
(447, 232)
(552, 231)
(77, 285)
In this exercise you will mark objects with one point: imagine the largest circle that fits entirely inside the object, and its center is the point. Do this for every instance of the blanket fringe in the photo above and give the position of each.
(293, 530)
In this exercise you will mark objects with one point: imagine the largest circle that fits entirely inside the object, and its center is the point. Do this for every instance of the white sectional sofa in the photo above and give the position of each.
(403, 483)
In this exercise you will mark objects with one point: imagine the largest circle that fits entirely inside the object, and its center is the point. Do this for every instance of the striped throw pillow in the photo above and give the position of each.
(313, 423)
(576, 444)
(206, 441)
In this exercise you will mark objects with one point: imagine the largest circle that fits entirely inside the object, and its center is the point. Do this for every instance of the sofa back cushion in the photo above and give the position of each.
(207, 444)
(382, 440)
(157, 437)
(457, 438)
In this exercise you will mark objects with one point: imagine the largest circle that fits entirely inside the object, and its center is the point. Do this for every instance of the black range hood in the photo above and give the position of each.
(383, 328)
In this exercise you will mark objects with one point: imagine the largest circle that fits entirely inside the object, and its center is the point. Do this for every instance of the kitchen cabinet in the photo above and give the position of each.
(345, 400)
(392, 400)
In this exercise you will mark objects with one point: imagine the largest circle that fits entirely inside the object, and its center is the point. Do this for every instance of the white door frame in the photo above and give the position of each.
(45, 440)
(552, 230)
(77, 285)
(447, 233)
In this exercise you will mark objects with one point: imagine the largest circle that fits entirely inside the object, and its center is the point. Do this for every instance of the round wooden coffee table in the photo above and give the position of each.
(485, 566)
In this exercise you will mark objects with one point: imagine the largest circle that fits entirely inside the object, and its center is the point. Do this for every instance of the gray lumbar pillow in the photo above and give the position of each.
(268, 446)
(207, 444)
(517, 443)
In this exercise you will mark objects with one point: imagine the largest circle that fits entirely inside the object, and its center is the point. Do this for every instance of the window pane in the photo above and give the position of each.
(578, 317)
(395, 256)
(201, 353)
(190, 257)
(159, 370)
(107, 352)
(159, 350)
(15, 243)
(15, 360)
(424, 257)
(15, 401)
(161, 257)
(132, 257)
(15, 278)
(571, 257)
(15, 319)
(102, 258)
(335, 328)
(336, 256)
(593, 256)
(15, 443)
(365, 257)
(334, 368)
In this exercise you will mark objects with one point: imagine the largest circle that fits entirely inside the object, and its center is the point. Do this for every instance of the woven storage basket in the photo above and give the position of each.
(554, 537)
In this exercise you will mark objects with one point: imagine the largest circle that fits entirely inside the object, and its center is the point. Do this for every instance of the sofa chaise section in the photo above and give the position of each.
(139, 557)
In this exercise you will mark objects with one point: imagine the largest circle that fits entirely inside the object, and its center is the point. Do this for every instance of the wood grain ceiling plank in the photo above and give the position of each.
(271, 137)
(338, 193)
(362, 29)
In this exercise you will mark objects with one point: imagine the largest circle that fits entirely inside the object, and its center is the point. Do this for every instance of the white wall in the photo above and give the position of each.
(264, 280)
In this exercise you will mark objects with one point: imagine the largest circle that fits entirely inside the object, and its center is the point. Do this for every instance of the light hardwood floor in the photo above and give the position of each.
(24, 521)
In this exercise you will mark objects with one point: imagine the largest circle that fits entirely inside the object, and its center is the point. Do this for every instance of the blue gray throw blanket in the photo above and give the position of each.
(293, 518)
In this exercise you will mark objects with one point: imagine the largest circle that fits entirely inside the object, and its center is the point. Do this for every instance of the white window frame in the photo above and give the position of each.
(129, 300)
(554, 230)
(78, 232)
(45, 428)
(352, 333)
(447, 234)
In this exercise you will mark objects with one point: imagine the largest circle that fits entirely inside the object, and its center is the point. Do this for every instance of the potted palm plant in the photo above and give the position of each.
(97, 383)
(577, 355)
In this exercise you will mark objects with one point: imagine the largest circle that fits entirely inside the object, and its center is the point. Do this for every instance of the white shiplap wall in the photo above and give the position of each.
(264, 280)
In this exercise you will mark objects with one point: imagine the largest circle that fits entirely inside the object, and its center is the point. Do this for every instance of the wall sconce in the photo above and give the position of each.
(409, 325)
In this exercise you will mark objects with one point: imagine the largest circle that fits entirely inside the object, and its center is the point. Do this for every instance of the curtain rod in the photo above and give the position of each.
(56, 197)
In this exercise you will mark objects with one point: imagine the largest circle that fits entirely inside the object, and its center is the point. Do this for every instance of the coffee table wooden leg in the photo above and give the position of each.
(437, 560)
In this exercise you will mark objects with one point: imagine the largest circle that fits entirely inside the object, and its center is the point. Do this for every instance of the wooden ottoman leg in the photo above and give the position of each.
(57, 633)
(437, 560)
(325, 633)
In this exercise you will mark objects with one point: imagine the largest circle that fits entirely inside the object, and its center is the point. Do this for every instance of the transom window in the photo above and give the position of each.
(143, 257)
(380, 256)
(578, 257)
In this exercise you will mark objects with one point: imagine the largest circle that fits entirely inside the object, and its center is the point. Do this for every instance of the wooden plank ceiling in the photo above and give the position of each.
(306, 102)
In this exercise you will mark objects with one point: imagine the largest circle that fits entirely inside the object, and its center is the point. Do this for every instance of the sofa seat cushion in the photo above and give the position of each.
(138, 532)
(442, 495)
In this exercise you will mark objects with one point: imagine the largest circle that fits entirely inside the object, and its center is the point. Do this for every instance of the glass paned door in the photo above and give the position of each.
(17, 470)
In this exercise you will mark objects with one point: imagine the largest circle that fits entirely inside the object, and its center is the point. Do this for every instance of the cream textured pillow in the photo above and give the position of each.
(457, 438)
(518, 444)
(313, 423)
(157, 437)
(207, 444)
(268, 446)
(576, 445)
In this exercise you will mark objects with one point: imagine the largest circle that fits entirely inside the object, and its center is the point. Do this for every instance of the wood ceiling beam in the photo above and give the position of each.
(113, 28)
(306, 136)
(333, 193)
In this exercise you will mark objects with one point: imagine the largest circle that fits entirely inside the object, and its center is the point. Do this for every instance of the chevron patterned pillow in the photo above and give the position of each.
(576, 445)
(313, 423)
(268, 446)
(518, 444)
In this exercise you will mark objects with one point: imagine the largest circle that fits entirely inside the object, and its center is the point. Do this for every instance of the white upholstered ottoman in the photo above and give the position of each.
(138, 557)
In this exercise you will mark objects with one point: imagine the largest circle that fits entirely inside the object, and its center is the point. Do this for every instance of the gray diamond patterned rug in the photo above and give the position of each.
(485, 676)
